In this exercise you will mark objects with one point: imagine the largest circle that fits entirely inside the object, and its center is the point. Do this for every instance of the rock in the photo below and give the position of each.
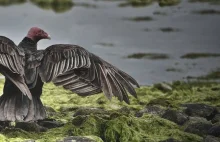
(175, 116)
(50, 111)
(170, 140)
(76, 139)
(214, 131)
(198, 125)
(216, 119)
(88, 111)
(29, 141)
(67, 109)
(101, 100)
(50, 123)
(200, 110)
(30, 127)
(78, 121)
(155, 110)
(161, 101)
(4, 124)
(163, 87)
(125, 110)
(211, 139)
(218, 109)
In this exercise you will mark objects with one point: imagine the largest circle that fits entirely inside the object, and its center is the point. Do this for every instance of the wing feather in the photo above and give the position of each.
(12, 64)
(84, 73)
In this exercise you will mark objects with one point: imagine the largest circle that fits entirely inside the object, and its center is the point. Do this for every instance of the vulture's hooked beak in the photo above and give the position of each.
(49, 37)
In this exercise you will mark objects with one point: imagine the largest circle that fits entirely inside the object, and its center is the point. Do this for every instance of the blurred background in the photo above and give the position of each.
(152, 40)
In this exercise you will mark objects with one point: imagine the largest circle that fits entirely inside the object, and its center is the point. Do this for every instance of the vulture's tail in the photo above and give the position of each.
(14, 106)
(36, 110)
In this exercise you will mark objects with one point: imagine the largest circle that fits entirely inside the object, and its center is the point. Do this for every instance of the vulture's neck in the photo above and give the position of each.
(28, 44)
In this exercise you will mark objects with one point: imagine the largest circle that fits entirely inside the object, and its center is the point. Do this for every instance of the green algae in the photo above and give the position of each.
(140, 18)
(213, 75)
(117, 122)
(199, 55)
(143, 129)
(11, 2)
(173, 70)
(2, 138)
(169, 29)
(168, 2)
(86, 5)
(141, 3)
(58, 6)
(160, 13)
(136, 3)
(152, 56)
(207, 12)
(216, 2)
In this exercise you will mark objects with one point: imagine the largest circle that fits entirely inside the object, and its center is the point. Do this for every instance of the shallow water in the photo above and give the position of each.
(105, 31)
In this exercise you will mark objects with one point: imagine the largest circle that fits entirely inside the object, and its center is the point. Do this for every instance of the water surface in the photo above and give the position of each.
(104, 29)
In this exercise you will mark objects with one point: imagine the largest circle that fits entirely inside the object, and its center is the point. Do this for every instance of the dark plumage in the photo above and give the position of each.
(70, 66)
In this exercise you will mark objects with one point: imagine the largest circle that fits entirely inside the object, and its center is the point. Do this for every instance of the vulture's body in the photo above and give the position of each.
(71, 66)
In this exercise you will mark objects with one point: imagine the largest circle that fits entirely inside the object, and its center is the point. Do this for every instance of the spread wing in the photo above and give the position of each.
(12, 64)
(83, 73)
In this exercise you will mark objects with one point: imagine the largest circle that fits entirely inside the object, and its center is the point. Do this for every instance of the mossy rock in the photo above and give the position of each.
(198, 126)
(200, 55)
(11, 2)
(119, 123)
(169, 2)
(215, 2)
(146, 128)
(30, 127)
(136, 3)
(58, 6)
(152, 56)
(88, 111)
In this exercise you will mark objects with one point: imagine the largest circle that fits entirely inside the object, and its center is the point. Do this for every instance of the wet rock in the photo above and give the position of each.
(67, 109)
(168, 2)
(161, 101)
(163, 87)
(50, 123)
(101, 100)
(216, 119)
(198, 125)
(30, 127)
(50, 111)
(211, 139)
(175, 116)
(170, 140)
(214, 131)
(78, 121)
(29, 141)
(200, 110)
(76, 139)
(155, 110)
(218, 109)
(88, 111)
(125, 110)
(4, 124)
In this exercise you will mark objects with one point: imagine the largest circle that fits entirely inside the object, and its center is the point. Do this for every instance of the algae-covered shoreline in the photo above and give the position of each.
(147, 118)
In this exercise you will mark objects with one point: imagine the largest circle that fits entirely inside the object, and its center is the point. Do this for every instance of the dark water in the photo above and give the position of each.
(102, 29)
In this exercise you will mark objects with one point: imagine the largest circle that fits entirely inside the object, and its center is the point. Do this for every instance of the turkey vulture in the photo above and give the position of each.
(71, 66)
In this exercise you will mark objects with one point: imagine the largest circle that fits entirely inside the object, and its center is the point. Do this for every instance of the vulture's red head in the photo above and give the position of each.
(37, 34)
